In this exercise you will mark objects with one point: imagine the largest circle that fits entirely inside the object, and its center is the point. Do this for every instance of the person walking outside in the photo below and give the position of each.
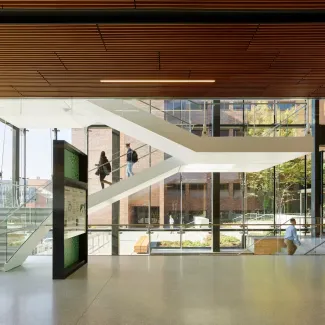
(291, 238)
(129, 161)
(171, 223)
(104, 169)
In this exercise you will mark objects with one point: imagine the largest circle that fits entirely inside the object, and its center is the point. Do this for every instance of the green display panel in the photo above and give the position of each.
(71, 165)
(71, 251)
(70, 217)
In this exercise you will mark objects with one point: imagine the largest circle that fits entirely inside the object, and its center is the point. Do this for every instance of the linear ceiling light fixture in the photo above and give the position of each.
(159, 81)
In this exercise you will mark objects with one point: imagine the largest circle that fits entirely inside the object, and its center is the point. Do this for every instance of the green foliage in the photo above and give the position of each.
(225, 241)
(229, 241)
(289, 177)
(260, 113)
(15, 240)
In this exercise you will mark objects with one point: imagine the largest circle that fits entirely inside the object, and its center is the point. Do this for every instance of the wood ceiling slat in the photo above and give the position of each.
(110, 4)
(231, 4)
(142, 4)
(245, 60)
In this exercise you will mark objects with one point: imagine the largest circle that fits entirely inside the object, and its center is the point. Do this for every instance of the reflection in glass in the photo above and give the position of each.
(173, 199)
(259, 197)
(290, 180)
(231, 199)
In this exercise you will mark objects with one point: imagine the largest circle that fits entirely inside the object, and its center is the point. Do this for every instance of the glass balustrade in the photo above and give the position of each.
(140, 240)
(18, 224)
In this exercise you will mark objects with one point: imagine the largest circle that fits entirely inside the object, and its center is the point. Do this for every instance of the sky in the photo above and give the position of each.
(39, 151)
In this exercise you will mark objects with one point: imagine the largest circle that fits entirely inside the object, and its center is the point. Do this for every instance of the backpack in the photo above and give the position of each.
(107, 168)
(134, 156)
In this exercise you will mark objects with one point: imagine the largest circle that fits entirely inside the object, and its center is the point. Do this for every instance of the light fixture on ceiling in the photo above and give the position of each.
(158, 81)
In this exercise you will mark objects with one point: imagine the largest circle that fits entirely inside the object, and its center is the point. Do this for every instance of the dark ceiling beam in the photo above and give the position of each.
(104, 16)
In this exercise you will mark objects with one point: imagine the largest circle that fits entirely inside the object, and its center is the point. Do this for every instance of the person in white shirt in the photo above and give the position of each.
(291, 238)
(171, 222)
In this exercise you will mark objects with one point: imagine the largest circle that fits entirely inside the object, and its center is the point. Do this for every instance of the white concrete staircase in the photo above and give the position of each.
(245, 154)
(134, 184)
(146, 178)
(190, 153)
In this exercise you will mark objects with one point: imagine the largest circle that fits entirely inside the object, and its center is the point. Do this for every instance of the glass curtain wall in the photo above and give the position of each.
(187, 196)
(271, 196)
(178, 209)
(29, 199)
(182, 200)
(175, 214)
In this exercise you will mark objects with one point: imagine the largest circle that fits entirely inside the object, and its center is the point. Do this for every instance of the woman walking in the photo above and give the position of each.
(104, 169)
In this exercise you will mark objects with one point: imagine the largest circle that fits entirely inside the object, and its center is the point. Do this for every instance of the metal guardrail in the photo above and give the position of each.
(180, 230)
(23, 205)
(314, 248)
(285, 123)
(110, 161)
(168, 114)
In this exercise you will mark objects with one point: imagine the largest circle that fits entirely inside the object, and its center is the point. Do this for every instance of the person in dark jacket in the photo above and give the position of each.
(104, 169)
(129, 162)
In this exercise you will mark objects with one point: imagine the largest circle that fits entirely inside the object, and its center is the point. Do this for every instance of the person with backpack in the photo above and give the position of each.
(131, 158)
(104, 169)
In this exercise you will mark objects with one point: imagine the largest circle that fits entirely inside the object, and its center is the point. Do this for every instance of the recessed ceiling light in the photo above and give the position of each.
(159, 81)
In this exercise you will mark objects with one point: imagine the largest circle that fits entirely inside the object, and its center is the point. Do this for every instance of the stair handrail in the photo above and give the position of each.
(22, 205)
(318, 245)
(164, 112)
(120, 167)
(146, 155)
(110, 161)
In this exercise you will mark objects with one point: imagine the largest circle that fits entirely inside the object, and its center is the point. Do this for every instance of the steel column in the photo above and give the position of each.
(216, 183)
(25, 164)
(116, 175)
(15, 163)
(317, 170)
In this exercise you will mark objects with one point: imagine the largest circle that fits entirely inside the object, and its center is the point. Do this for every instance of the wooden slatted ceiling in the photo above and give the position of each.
(245, 60)
(143, 4)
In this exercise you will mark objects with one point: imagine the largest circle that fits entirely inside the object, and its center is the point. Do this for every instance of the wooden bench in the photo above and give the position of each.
(142, 245)
(268, 245)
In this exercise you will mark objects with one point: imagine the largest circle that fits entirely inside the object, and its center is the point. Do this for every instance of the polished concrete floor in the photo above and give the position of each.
(168, 290)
